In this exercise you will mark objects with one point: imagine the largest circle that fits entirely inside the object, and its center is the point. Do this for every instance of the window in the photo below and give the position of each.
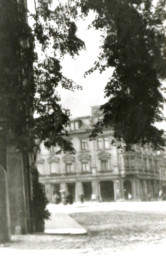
(52, 150)
(156, 165)
(106, 143)
(54, 167)
(104, 165)
(127, 162)
(68, 112)
(150, 164)
(139, 163)
(100, 143)
(84, 144)
(103, 143)
(132, 162)
(85, 167)
(69, 168)
(145, 163)
(74, 126)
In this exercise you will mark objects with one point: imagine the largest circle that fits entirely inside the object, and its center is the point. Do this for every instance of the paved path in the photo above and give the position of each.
(62, 223)
(153, 250)
(142, 234)
(153, 206)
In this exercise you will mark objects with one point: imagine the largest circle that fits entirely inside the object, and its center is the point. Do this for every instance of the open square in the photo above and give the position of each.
(118, 228)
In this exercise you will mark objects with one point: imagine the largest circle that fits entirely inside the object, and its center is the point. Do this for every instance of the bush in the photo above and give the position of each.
(39, 202)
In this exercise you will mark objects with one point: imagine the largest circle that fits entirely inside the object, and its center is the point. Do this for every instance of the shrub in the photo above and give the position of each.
(39, 202)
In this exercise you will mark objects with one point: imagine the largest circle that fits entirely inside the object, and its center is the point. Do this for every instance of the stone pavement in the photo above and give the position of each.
(62, 223)
(153, 250)
(116, 229)
(153, 206)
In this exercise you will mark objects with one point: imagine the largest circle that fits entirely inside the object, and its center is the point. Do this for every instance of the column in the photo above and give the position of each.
(117, 194)
(79, 191)
(145, 190)
(150, 190)
(139, 189)
(96, 189)
(156, 189)
(121, 163)
(135, 189)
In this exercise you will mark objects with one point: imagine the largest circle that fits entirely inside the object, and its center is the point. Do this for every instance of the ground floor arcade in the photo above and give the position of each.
(106, 189)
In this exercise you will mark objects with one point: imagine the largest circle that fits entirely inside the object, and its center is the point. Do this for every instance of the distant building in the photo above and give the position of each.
(100, 168)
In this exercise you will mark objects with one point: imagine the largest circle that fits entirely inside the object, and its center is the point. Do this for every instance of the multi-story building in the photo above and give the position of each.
(100, 167)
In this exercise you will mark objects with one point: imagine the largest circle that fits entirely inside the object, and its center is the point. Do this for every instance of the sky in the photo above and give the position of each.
(93, 85)
(80, 101)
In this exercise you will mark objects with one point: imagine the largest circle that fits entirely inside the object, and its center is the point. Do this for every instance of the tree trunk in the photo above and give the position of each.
(4, 202)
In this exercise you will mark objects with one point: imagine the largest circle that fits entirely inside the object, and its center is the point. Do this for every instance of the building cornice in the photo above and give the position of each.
(53, 159)
(84, 157)
(103, 155)
(68, 158)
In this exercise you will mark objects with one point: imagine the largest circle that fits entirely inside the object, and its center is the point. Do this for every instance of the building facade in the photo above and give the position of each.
(100, 167)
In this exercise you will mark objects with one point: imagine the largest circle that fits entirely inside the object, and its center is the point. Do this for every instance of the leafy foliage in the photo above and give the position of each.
(134, 45)
(39, 202)
(30, 71)
(29, 75)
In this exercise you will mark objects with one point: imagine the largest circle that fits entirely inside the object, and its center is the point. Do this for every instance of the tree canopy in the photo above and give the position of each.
(134, 45)
(30, 71)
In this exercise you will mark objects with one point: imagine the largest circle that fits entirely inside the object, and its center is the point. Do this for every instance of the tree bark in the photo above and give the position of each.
(4, 202)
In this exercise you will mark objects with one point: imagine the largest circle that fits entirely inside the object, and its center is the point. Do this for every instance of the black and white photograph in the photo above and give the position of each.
(82, 127)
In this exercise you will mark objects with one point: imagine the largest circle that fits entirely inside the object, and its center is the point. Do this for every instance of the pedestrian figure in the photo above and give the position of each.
(129, 196)
(82, 198)
(56, 198)
(64, 198)
(149, 197)
(93, 197)
(160, 194)
(70, 198)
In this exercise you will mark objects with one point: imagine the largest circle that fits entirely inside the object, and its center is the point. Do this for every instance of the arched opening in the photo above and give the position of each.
(107, 191)
(127, 190)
